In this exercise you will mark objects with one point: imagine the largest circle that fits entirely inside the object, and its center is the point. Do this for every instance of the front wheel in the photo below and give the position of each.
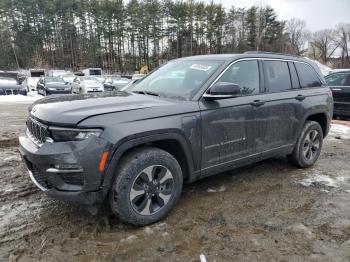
(147, 185)
(308, 147)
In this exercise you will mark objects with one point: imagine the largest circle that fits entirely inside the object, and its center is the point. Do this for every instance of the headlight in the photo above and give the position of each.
(71, 134)
(51, 88)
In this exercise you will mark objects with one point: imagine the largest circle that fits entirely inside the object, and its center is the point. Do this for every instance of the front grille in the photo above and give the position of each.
(73, 178)
(37, 131)
(40, 177)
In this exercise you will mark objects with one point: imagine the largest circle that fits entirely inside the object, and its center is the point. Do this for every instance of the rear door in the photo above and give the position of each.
(340, 85)
(285, 104)
(233, 130)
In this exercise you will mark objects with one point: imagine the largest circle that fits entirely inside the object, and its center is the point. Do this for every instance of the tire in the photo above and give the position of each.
(308, 147)
(136, 200)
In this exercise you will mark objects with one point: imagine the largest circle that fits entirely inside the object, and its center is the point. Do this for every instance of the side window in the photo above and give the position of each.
(293, 75)
(277, 76)
(245, 74)
(337, 79)
(307, 76)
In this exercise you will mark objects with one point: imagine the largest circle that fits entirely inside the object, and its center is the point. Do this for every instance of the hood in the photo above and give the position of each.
(56, 85)
(90, 83)
(71, 109)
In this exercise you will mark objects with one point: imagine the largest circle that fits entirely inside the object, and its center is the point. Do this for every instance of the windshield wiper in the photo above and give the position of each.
(143, 92)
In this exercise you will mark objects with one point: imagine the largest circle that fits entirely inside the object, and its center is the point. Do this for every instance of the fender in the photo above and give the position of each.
(314, 112)
(127, 143)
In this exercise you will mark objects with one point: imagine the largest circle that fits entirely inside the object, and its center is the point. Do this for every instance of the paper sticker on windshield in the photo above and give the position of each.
(200, 67)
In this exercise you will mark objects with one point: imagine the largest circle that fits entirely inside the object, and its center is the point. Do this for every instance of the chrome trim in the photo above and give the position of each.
(76, 129)
(257, 59)
(248, 156)
(33, 139)
(210, 96)
(36, 182)
(58, 171)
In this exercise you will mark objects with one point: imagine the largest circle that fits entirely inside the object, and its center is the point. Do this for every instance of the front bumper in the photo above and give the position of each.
(56, 92)
(66, 170)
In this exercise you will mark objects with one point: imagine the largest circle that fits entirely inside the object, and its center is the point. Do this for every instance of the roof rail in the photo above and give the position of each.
(269, 53)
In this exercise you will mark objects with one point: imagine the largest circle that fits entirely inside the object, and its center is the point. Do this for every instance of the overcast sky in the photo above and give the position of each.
(318, 14)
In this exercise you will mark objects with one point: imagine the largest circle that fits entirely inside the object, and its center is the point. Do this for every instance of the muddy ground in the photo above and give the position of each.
(269, 211)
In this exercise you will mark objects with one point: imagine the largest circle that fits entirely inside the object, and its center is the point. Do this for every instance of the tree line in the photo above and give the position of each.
(123, 36)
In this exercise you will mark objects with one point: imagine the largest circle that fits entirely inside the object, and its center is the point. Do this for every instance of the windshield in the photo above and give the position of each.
(179, 79)
(88, 78)
(53, 79)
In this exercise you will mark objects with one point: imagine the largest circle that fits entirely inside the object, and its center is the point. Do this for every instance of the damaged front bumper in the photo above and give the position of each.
(66, 171)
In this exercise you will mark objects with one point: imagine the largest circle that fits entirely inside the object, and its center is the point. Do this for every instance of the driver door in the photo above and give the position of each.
(234, 129)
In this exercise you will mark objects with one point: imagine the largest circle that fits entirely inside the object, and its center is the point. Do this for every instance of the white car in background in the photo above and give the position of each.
(68, 77)
(86, 84)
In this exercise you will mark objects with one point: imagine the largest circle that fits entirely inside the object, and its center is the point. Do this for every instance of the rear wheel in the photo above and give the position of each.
(308, 147)
(147, 186)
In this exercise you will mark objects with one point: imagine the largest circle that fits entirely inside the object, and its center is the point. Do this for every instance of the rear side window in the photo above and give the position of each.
(307, 76)
(338, 79)
(277, 76)
(245, 74)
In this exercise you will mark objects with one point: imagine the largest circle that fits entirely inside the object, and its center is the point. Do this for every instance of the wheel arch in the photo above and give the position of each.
(322, 119)
(171, 142)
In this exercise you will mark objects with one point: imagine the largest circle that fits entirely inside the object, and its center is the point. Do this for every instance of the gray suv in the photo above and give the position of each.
(193, 117)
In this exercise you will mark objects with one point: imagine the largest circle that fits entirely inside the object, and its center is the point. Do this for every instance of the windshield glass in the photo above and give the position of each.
(179, 79)
(88, 78)
(54, 80)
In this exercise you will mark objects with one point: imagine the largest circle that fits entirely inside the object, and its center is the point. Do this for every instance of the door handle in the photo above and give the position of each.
(257, 103)
(300, 97)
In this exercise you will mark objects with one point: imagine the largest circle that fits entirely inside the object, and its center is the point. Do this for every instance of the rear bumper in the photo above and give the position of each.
(67, 170)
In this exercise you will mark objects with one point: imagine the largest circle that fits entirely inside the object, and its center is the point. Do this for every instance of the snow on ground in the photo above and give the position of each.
(341, 131)
(319, 179)
(30, 98)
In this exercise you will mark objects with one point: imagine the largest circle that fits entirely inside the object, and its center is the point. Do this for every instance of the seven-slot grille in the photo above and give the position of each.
(37, 131)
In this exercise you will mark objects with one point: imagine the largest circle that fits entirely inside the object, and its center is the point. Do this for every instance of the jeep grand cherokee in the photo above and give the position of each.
(191, 118)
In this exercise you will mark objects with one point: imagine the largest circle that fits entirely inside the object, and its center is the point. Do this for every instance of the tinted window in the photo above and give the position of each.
(338, 80)
(277, 76)
(293, 75)
(245, 74)
(307, 75)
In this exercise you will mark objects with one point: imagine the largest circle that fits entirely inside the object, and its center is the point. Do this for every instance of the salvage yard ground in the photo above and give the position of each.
(269, 211)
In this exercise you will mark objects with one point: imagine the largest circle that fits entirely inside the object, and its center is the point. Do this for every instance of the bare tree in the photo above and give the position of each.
(343, 39)
(325, 44)
(298, 35)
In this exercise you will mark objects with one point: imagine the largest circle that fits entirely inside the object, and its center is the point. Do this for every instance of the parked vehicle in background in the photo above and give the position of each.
(86, 84)
(135, 149)
(51, 85)
(20, 77)
(339, 83)
(115, 82)
(92, 72)
(56, 72)
(100, 79)
(11, 86)
(68, 77)
(137, 76)
(34, 77)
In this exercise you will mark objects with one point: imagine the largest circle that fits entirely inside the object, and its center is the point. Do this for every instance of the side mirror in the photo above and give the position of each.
(222, 90)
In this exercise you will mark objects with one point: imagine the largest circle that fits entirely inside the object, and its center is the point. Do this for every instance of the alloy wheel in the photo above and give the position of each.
(311, 145)
(151, 190)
